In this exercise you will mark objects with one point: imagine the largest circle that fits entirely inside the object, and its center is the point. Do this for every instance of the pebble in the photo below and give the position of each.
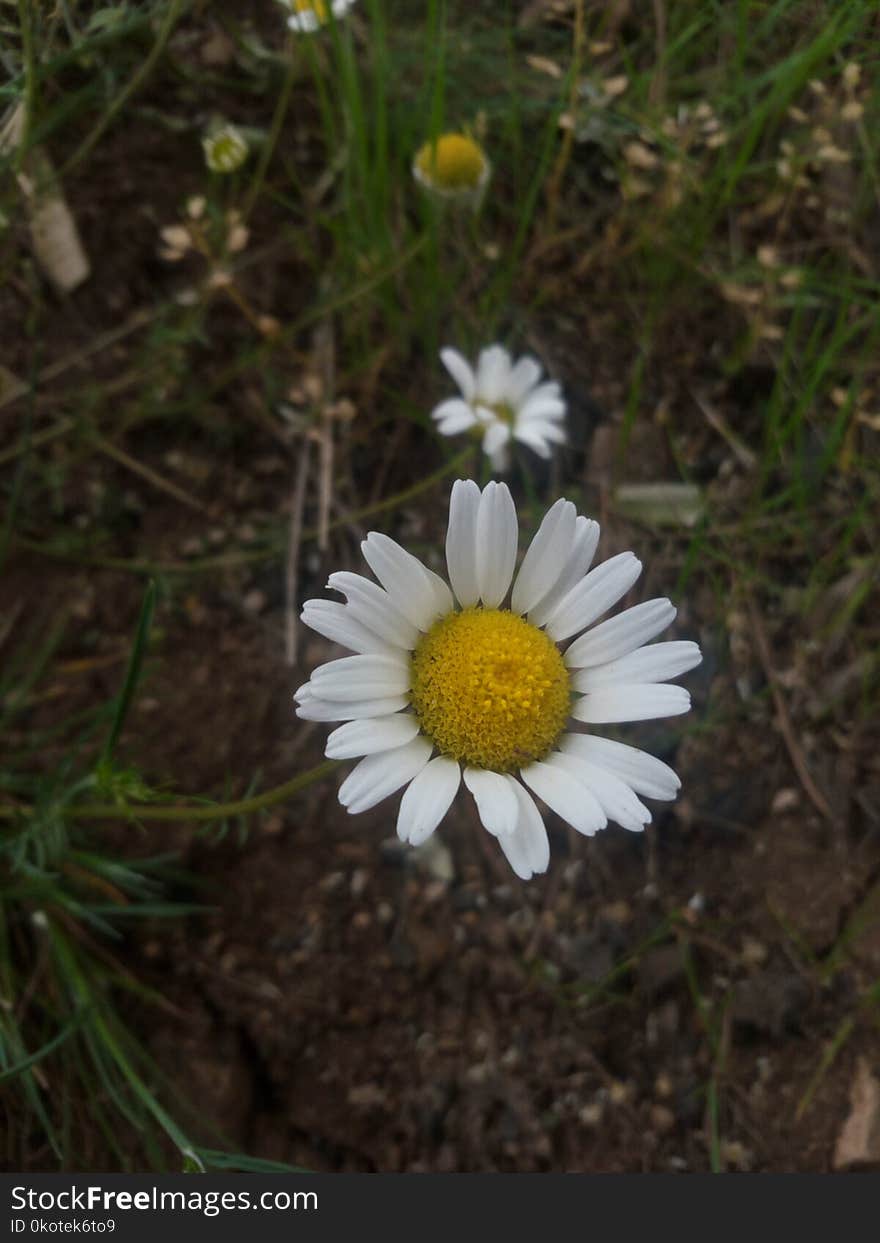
(591, 1115)
(754, 952)
(662, 1118)
(785, 800)
(253, 602)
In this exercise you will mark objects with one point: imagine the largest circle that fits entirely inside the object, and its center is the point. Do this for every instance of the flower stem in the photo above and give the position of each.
(213, 811)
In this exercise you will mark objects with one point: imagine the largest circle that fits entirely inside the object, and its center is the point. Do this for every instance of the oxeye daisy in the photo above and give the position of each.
(499, 400)
(491, 681)
(452, 166)
(307, 16)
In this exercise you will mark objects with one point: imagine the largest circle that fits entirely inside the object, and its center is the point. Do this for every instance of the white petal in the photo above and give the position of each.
(614, 796)
(404, 578)
(496, 436)
(310, 708)
(500, 459)
(453, 416)
(305, 23)
(427, 799)
(373, 608)
(496, 800)
(497, 536)
(493, 368)
(366, 737)
(460, 370)
(612, 704)
(545, 396)
(565, 795)
(546, 557)
(550, 410)
(524, 376)
(362, 677)
(657, 663)
(594, 595)
(621, 634)
(537, 444)
(580, 558)
(377, 776)
(443, 601)
(526, 849)
(461, 541)
(642, 772)
(540, 430)
(334, 621)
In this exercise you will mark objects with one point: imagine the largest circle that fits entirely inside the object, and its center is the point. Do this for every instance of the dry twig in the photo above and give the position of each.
(799, 763)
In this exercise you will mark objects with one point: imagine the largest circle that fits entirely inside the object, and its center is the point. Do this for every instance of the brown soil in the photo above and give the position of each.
(348, 1005)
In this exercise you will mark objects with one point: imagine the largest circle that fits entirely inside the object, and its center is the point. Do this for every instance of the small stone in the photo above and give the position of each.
(618, 1093)
(662, 1118)
(858, 1144)
(658, 968)
(359, 880)
(754, 952)
(366, 1096)
(852, 73)
(613, 87)
(254, 602)
(736, 1154)
(663, 1085)
(784, 801)
(591, 1115)
(435, 892)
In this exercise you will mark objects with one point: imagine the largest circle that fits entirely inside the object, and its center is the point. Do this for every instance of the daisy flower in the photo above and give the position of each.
(307, 16)
(225, 149)
(453, 683)
(500, 400)
(452, 166)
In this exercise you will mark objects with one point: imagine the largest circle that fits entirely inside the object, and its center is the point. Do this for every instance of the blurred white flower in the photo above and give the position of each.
(307, 16)
(225, 149)
(500, 400)
(497, 693)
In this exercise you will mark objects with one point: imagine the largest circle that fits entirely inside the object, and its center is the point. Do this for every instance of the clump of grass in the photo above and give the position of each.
(78, 1082)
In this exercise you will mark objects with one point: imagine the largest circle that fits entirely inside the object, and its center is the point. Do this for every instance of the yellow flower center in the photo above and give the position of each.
(453, 162)
(489, 689)
(225, 151)
(318, 7)
(503, 411)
